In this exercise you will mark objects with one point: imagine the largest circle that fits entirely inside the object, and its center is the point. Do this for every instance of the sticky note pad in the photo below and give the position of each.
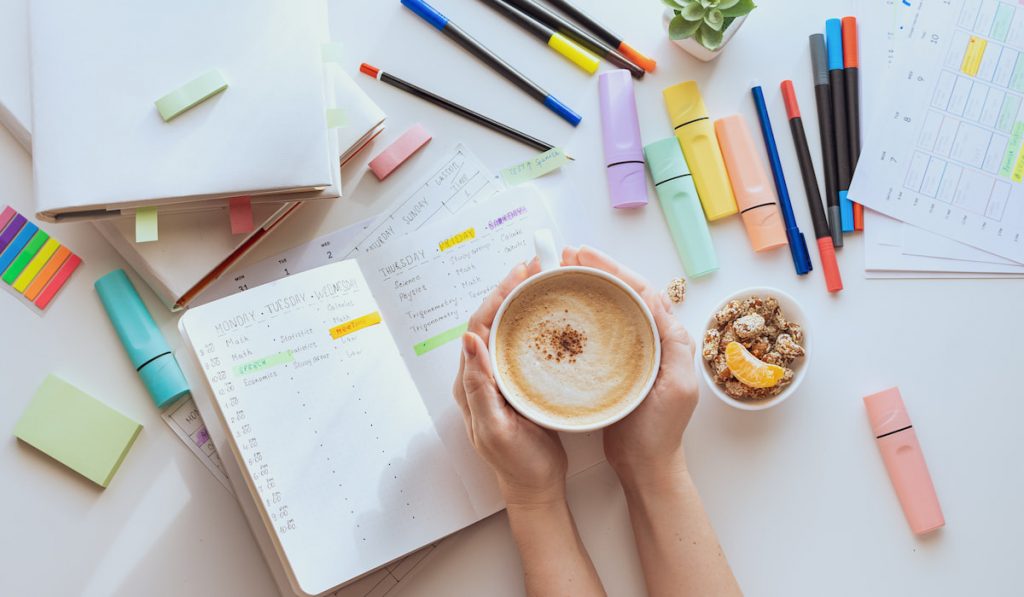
(77, 430)
(27, 253)
(44, 275)
(6, 216)
(35, 265)
(17, 244)
(59, 279)
(146, 229)
(398, 152)
(190, 94)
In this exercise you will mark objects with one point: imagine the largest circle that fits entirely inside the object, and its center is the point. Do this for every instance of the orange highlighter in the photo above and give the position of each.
(904, 460)
(758, 205)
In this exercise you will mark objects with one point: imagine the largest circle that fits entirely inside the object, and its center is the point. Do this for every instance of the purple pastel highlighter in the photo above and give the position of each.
(623, 148)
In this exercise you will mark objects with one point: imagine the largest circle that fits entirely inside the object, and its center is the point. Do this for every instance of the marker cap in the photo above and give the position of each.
(684, 103)
(683, 213)
(426, 12)
(829, 265)
(850, 54)
(834, 37)
(146, 347)
(886, 411)
(819, 59)
(751, 185)
(789, 98)
(562, 110)
(623, 148)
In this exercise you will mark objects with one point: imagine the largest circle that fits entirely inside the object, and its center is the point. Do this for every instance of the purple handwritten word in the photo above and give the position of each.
(515, 213)
(202, 436)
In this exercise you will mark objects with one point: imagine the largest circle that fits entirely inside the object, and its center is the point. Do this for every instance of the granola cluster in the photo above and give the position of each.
(677, 290)
(759, 325)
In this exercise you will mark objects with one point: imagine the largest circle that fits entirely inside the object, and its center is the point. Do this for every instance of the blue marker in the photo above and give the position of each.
(837, 81)
(797, 244)
(441, 23)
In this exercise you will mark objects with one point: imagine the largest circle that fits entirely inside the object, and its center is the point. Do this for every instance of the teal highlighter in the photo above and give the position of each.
(146, 347)
(681, 206)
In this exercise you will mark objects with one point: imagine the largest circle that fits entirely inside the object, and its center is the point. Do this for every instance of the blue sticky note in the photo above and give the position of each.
(17, 245)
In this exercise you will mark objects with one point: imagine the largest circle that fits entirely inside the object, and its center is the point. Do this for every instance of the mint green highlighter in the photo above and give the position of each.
(681, 206)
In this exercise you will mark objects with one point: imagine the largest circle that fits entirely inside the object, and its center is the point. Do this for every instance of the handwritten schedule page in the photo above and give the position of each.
(952, 158)
(345, 460)
(429, 283)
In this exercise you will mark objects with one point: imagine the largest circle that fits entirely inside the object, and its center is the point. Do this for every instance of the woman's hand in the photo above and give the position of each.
(647, 445)
(529, 461)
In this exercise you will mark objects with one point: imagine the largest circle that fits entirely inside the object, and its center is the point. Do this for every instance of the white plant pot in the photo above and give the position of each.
(695, 49)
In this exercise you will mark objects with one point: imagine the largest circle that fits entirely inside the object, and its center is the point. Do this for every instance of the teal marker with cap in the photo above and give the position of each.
(146, 347)
(681, 206)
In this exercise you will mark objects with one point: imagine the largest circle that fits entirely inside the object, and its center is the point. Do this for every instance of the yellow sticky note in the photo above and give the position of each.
(538, 166)
(354, 325)
(29, 273)
(972, 57)
(145, 225)
(77, 430)
(465, 235)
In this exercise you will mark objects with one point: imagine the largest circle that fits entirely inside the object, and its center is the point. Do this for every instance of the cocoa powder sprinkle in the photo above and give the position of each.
(559, 342)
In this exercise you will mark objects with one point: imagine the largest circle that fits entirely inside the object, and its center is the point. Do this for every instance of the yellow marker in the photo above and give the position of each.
(467, 234)
(558, 42)
(29, 273)
(575, 53)
(354, 325)
(972, 57)
(700, 148)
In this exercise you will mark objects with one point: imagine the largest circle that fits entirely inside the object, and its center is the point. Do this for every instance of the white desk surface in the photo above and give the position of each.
(798, 494)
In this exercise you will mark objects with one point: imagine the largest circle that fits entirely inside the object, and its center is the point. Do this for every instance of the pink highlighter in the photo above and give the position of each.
(623, 148)
(904, 460)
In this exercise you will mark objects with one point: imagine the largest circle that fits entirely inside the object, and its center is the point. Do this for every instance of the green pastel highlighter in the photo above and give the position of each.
(681, 206)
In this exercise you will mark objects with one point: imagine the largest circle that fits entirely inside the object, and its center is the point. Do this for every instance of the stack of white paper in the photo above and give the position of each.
(941, 173)
(97, 68)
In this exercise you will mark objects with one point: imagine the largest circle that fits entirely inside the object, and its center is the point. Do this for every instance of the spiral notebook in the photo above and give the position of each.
(334, 386)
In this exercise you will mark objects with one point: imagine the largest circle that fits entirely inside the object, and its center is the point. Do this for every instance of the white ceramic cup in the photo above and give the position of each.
(793, 312)
(550, 267)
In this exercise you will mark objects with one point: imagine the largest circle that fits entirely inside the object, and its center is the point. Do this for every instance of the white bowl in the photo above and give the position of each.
(792, 310)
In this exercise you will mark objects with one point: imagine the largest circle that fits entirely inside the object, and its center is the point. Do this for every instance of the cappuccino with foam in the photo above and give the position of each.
(575, 347)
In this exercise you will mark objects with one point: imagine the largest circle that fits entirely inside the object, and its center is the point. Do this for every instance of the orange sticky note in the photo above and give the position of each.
(241, 215)
(46, 273)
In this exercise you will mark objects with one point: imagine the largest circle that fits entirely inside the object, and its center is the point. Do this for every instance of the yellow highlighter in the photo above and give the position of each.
(558, 42)
(697, 138)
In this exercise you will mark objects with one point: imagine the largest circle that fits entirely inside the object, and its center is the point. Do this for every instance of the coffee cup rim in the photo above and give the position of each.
(520, 405)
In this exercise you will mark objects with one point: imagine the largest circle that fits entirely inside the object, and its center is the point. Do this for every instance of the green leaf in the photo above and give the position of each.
(680, 28)
(724, 4)
(709, 38)
(740, 8)
(693, 12)
(714, 19)
(708, 3)
(672, 4)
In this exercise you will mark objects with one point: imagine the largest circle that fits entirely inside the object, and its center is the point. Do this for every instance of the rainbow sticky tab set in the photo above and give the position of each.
(33, 266)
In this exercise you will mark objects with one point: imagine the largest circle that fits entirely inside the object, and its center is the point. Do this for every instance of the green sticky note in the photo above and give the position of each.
(26, 255)
(538, 166)
(336, 118)
(440, 340)
(77, 430)
(190, 94)
(145, 225)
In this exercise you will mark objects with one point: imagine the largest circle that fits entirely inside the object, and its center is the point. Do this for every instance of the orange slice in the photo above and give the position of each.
(750, 370)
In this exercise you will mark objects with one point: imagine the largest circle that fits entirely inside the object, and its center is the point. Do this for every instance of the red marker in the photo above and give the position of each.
(851, 66)
(826, 250)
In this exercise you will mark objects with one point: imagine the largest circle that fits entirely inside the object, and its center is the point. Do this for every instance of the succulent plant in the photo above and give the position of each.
(705, 20)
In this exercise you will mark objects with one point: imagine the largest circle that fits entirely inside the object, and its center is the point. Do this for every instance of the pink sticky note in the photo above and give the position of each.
(241, 215)
(6, 216)
(398, 152)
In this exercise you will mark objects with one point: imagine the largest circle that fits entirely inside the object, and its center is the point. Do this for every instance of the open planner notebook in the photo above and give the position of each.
(334, 386)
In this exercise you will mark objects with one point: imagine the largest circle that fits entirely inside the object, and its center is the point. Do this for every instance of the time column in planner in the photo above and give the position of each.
(969, 151)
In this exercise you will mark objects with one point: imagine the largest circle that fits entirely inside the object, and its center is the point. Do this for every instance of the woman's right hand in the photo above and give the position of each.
(647, 445)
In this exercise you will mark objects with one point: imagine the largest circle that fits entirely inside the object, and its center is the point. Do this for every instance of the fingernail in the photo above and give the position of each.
(468, 345)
